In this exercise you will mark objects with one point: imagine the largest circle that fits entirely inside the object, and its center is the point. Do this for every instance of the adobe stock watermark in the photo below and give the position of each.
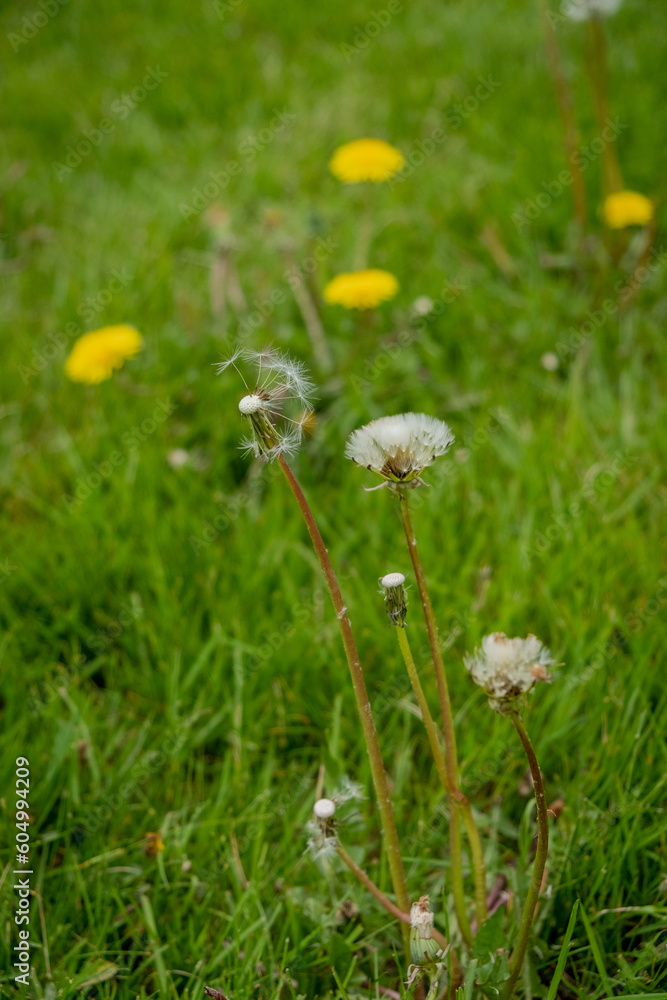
(589, 496)
(87, 484)
(582, 157)
(294, 276)
(625, 289)
(247, 151)
(224, 8)
(34, 22)
(365, 33)
(119, 109)
(54, 345)
(455, 116)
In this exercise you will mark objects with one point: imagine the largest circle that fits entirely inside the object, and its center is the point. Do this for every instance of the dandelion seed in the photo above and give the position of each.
(321, 843)
(348, 791)
(423, 948)
(627, 208)
(366, 160)
(422, 306)
(399, 448)
(508, 668)
(95, 356)
(361, 289)
(549, 361)
(278, 382)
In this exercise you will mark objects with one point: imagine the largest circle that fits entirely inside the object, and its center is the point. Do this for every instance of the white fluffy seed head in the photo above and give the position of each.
(324, 808)
(507, 668)
(393, 580)
(251, 404)
(400, 447)
(278, 400)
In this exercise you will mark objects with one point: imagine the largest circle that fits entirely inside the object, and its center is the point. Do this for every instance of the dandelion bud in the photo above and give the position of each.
(395, 597)
(324, 808)
(423, 948)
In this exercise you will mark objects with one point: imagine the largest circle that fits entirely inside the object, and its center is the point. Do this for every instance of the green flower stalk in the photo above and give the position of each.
(396, 606)
(279, 381)
(507, 669)
(398, 449)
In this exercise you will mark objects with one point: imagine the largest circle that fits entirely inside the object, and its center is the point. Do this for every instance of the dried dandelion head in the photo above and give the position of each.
(399, 448)
(508, 668)
(278, 383)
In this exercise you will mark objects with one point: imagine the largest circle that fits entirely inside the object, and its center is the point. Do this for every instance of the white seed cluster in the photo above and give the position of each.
(324, 808)
(399, 448)
(507, 668)
(392, 580)
(278, 383)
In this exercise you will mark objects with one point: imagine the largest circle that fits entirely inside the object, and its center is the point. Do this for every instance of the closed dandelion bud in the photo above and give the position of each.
(395, 597)
(423, 948)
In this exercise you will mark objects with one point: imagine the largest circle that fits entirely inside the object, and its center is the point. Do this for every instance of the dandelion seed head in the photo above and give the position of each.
(508, 668)
(276, 384)
(324, 808)
(251, 404)
(400, 447)
(392, 580)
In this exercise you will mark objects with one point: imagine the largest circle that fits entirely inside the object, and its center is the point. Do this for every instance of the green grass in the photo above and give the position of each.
(169, 659)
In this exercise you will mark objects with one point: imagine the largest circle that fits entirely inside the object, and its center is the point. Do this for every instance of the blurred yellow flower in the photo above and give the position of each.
(361, 289)
(366, 160)
(627, 208)
(95, 355)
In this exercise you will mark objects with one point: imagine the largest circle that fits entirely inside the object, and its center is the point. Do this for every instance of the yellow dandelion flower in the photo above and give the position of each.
(366, 160)
(361, 289)
(95, 355)
(627, 208)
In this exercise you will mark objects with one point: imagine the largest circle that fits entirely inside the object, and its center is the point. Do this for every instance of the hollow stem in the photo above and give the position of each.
(455, 808)
(451, 761)
(363, 705)
(540, 857)
(390, 907)
(570, 131)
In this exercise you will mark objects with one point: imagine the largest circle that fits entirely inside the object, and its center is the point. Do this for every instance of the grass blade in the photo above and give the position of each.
(562, 958)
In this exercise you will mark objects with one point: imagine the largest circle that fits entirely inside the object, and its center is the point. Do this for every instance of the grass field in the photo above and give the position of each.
(170, 661)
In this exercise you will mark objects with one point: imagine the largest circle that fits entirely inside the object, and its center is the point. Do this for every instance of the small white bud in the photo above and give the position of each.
(393, 580)
(251, 404)
(324, 808)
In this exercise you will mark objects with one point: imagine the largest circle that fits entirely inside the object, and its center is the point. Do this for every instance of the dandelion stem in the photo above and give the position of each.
(540, 857)
(599, 75)
(364, 231)
(451, 762)
(441, 767)
(380, 896)
(363, 705)
(571, 133)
